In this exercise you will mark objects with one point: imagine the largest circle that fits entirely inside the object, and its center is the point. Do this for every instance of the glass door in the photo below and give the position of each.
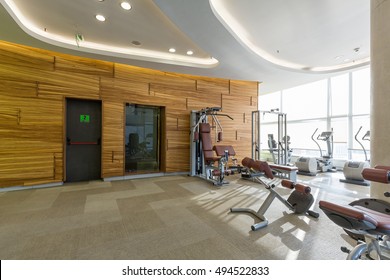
(142, 139)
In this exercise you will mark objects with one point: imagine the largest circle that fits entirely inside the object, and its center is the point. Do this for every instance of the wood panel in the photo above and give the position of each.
(34, 84)
(178, 151)
(244, 88)
(113, 137)
(22, 88)
(21, 56)
(81, 65)
(203, 99)
(213, 85)
(69, 84)
(136, 74)
(31, 140)
(120, 90)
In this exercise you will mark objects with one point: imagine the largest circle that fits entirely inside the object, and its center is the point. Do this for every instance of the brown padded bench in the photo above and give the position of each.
(261, 166)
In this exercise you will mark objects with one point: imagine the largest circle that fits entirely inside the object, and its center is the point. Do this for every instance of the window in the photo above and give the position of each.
(341, 103)
(306, 102)
(340, 137)
(301, 134)
(270, 101)
(339, 95)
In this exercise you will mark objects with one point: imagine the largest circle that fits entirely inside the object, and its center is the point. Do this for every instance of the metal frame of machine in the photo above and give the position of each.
(281, 166)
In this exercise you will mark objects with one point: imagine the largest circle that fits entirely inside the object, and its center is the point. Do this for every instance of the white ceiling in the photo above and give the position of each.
(281, 43)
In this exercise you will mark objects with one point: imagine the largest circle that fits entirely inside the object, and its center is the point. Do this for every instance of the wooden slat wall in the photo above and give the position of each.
(35, 83)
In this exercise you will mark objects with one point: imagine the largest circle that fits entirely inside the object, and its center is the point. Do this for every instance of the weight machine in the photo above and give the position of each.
(279, 147)
(281, 144)
(210, 161)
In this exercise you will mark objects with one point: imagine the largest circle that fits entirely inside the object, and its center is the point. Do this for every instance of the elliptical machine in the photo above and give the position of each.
(353, 169)
(325, 162)
(311, 166)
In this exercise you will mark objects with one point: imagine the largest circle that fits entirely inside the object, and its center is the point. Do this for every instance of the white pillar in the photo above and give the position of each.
(380, 90)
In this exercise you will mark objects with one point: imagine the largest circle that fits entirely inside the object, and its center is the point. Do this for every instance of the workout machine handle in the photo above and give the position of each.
(380, 174)
(312, 136)
(298, 187)
(287, 184)
(361, 145)
(318, 145)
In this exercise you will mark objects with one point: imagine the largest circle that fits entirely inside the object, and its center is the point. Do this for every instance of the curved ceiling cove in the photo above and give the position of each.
(301, 35)
(141, 32)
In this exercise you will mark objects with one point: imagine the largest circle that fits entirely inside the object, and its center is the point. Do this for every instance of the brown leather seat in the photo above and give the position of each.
(383, 220)
(356, 217)
(207, 145)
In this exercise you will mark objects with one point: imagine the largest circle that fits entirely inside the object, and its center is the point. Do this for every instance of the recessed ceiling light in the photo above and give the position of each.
(172, 50)
(190, 52)
(126, 5)
(100, 18)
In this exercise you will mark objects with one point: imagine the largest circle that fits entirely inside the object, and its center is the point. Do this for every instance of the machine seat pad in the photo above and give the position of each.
(283, 167)
(220, 150)
(261, 166)
(209, 157)
(380, 220)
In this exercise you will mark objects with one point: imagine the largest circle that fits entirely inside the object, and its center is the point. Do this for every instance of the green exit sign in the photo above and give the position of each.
(84, 118)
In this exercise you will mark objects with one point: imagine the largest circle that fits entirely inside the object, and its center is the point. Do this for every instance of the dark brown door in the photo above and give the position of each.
(83, 140)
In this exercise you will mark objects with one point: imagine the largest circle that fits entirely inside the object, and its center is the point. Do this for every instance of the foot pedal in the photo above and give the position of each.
(345, 250)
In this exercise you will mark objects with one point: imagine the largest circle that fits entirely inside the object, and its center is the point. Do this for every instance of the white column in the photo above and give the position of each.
(380, 90)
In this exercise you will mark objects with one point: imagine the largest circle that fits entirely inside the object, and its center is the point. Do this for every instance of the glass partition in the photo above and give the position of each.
(142, 139)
